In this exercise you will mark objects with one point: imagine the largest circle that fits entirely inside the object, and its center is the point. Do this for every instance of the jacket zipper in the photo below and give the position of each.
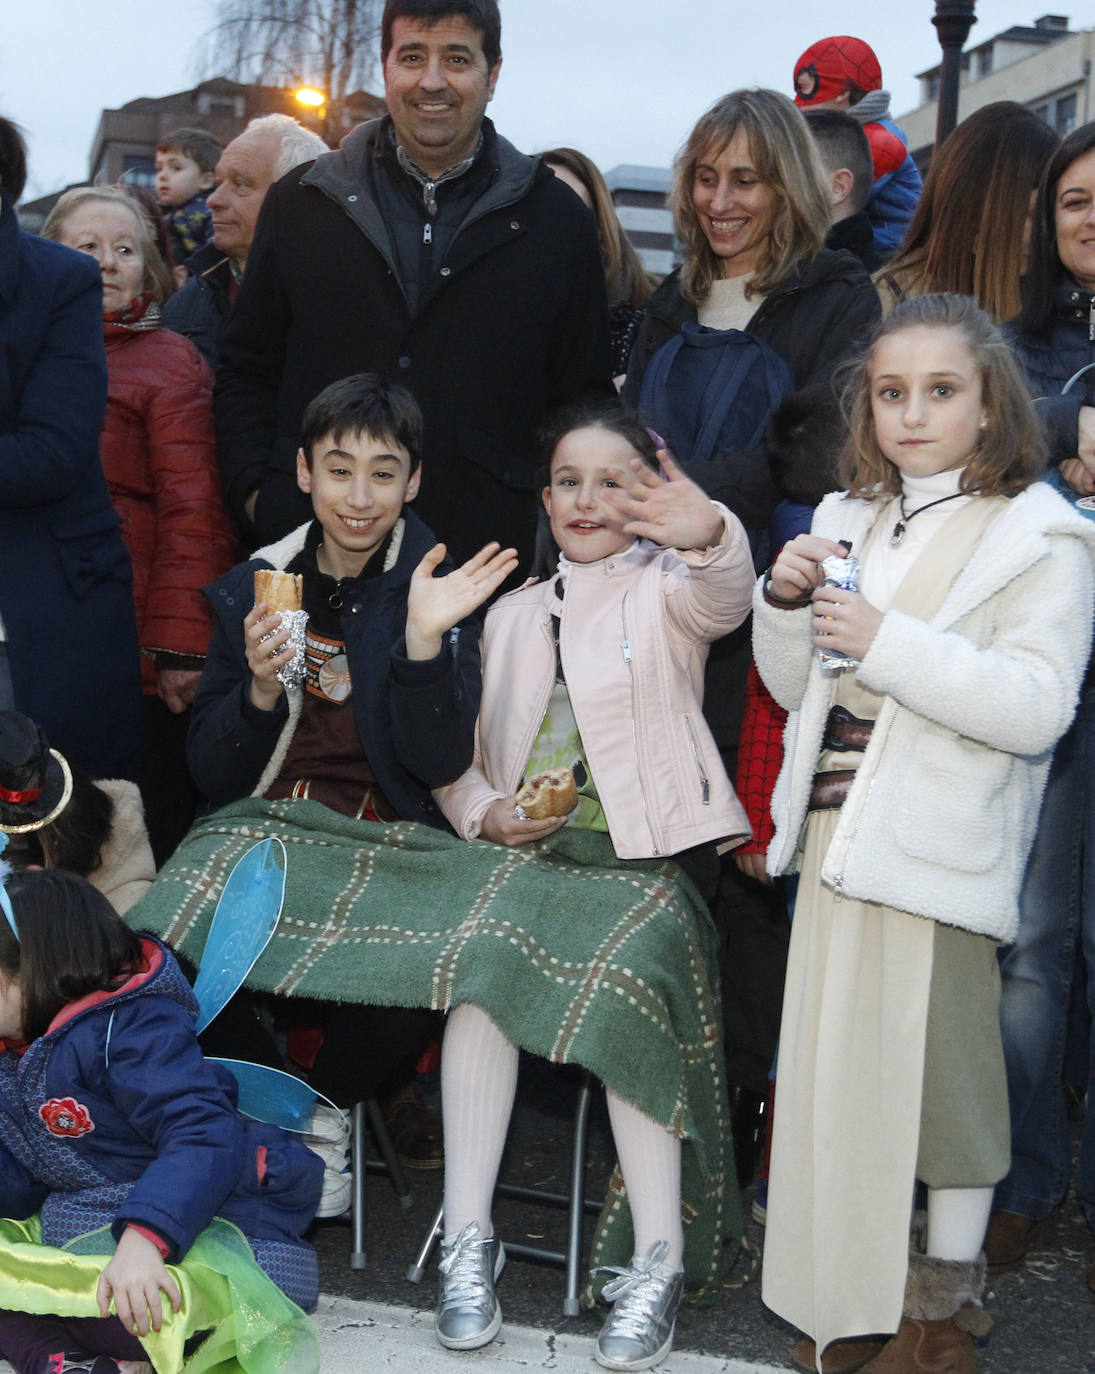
(705, 783)
(625, 649)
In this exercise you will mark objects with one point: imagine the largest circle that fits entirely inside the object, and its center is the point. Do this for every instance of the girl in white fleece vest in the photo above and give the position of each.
(910, 790)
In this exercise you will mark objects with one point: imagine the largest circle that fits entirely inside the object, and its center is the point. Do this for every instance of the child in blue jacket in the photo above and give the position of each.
(112, 1123)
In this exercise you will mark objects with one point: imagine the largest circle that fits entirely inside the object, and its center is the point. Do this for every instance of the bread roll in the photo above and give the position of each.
(553, 793)
(281, 591)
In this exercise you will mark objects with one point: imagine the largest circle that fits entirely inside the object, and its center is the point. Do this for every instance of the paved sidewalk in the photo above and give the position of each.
(381, 1336)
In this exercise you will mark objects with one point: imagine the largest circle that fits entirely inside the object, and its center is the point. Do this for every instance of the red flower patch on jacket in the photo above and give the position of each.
(66, 1117)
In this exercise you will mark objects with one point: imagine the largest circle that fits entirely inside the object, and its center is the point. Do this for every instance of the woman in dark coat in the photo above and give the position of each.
(1055, 342)
(66, 594)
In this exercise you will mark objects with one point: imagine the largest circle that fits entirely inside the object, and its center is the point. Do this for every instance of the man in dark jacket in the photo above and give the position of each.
(269, 147)
(427, 249)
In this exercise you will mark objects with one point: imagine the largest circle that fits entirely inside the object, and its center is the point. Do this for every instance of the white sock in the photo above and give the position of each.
(478, 1082)
(957, 1218)
(650, 1161)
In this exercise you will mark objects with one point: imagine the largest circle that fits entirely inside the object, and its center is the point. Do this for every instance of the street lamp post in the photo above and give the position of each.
(953, 21)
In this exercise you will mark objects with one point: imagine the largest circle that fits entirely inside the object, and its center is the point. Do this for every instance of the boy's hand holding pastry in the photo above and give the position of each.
(436, 604)
(671, 510)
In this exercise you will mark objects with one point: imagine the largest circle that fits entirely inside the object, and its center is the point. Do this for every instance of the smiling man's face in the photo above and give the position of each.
(438, 85)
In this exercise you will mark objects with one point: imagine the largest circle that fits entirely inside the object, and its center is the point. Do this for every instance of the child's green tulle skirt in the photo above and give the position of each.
(249, 1325)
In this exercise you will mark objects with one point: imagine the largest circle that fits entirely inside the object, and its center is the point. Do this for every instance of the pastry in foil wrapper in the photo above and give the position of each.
(843, 573)
(291, 674)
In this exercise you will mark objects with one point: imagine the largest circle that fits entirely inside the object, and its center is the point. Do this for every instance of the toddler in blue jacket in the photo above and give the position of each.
(130, 1186)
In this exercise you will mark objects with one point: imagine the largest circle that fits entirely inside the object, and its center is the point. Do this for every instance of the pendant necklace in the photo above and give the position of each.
(899, 529)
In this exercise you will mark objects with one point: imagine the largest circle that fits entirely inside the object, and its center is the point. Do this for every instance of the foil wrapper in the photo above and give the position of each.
(843, 573)
(291, 673)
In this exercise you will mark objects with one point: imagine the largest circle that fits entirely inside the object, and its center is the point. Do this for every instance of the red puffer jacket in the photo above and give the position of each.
(159, 456)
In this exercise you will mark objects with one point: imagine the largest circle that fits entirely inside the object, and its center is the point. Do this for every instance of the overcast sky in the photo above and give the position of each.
(623, 80)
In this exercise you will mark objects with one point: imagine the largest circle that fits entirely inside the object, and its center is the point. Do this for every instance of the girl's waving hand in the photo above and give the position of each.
(669, 509)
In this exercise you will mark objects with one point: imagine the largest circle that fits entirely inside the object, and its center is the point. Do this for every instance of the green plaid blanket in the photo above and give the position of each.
(578, 956)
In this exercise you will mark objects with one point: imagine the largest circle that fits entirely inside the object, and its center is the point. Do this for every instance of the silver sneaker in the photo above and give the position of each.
(638, 1332)
(468, 1314)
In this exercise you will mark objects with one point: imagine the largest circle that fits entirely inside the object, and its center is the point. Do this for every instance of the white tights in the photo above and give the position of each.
(478, 1082)
(957, 1218)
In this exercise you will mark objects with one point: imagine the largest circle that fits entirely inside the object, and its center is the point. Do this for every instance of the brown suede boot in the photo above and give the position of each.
(926, 1348)
(929, 1340)
(840, 1357)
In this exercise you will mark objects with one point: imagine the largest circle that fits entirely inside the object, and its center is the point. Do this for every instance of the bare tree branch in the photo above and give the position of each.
(330, 44)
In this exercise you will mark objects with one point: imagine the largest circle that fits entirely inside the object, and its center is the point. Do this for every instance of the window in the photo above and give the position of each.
(138, 170)
(209, 103)
(1065, 117)
(931, 86)
(984, 61)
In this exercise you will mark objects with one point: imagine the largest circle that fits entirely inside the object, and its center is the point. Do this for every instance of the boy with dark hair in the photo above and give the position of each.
(387, 709)
(845, 154)
(843, 73)
(186, 161)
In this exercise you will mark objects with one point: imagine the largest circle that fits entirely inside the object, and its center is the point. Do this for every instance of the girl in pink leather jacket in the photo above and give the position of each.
(599, 669)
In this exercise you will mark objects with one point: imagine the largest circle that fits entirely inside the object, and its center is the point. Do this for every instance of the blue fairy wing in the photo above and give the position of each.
(243, 923)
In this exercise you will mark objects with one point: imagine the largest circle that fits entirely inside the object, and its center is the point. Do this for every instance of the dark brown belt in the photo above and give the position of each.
(844, 734)
(830, 789)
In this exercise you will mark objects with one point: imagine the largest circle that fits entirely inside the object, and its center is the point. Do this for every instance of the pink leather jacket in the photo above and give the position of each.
(633, 639)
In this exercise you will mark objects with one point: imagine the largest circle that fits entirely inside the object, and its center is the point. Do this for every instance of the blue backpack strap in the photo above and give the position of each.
(739, 352)
(655, 380)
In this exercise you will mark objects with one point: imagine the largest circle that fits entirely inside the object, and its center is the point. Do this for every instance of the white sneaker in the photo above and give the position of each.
(330, 1138)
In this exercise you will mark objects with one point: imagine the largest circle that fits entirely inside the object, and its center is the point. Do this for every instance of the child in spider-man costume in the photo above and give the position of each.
(842, 73)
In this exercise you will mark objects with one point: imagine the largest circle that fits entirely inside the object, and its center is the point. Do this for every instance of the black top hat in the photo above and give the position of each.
(35, 780)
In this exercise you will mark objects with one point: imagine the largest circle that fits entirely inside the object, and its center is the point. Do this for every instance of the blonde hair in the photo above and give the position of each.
(1011, 451)
(157, 278)
(786, 160)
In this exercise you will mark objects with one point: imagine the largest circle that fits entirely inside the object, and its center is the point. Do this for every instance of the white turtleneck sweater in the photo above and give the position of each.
(881, 567)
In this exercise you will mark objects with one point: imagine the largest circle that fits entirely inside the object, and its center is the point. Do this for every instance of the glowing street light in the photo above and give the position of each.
(308, 96)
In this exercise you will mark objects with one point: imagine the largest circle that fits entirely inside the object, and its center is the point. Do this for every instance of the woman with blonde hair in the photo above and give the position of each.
(751, 207)
(628, 284)
(159, 455)
(974, 210)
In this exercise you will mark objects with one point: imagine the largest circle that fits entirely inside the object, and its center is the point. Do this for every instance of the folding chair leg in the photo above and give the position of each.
(383, 1139)
(577, 1197)
(418, 1266)
(357, 1194)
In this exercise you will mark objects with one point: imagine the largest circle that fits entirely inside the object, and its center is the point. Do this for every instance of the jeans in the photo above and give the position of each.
(1057, 905)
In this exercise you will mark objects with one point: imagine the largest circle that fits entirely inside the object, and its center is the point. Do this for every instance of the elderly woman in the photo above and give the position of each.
(158, 453)
(68, 646)
(974, 209)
